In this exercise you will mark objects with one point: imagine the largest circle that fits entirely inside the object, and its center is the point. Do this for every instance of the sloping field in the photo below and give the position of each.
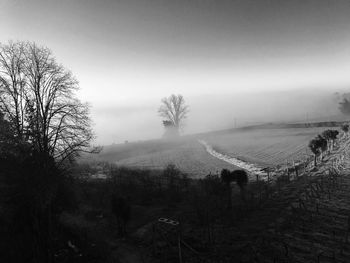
(265, 146)
(188, 155)
(306, 220)
(260, 147)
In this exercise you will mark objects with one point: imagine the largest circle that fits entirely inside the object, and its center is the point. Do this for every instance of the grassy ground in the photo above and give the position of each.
(187, 154)
(260, 146)
(265, 146)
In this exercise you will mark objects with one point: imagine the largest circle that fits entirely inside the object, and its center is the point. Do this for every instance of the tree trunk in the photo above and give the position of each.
(315, 160)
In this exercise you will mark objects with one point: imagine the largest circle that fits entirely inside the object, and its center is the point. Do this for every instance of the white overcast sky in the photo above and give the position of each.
(229, 58)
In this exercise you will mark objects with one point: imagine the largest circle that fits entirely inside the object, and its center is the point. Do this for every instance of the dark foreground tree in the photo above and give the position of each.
(241, 179)
(226, 177)
(46, 126)
(238, 176)
(174, 110)
(121, 210)
(38, 97)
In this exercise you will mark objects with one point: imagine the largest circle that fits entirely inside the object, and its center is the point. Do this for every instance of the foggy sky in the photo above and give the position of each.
(223, 56)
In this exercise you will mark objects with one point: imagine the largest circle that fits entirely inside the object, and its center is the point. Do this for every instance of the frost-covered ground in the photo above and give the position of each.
(252, 168)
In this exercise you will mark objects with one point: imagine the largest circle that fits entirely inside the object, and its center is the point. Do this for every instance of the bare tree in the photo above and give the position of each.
(38, 95)
(49, 124)
(174, 110)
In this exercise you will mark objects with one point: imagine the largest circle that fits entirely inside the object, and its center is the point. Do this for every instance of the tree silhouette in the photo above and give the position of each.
(238, 176)
(241, 178)
(323, 145)
(333, 136)
(45, 126)
(174, 110)
(6, 142)
(327, 134)
(314, 146)
(38, 97)
(227, 178)
(121, 210)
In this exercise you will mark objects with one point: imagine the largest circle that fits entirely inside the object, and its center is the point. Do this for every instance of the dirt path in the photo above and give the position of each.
(250, 167)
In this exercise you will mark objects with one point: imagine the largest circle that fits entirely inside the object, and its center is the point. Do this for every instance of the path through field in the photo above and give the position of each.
(252, 168)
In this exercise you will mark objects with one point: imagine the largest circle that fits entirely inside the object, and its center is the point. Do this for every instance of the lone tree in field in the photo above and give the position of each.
(174, 110)
(38, 96)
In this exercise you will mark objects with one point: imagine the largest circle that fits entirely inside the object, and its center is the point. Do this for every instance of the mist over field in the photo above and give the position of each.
(210, 112)
(174, 131)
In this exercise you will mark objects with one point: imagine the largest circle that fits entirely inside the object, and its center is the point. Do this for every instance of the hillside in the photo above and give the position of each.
(267, 145)
(302, 218)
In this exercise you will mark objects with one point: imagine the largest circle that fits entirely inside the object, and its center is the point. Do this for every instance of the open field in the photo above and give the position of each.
(188, 155)
(265, 146)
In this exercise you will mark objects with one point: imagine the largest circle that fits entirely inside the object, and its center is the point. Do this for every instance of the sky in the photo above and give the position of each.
(249, 60)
